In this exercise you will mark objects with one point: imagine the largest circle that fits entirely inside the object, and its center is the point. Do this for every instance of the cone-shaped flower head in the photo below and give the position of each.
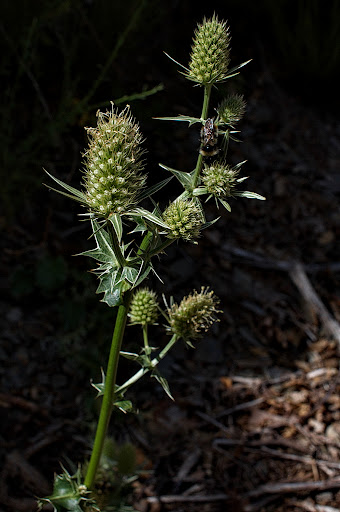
(184, 218)
(144, 307)
(219, 179)
(231, 109)
(195, 313)
(113, 165)
(209, 58)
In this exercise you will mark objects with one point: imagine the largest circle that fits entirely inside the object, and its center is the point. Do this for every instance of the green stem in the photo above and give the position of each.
(138, 375)
(204, 114)
(109, 391)
(146, 340)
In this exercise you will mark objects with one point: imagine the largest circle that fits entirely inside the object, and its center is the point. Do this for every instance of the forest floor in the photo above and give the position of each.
(255, 425)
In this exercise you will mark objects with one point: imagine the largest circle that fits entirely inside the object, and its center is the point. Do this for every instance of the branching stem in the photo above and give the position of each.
(204, 114)
(138, 375)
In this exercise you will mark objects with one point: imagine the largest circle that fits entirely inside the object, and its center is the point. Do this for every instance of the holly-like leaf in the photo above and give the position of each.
(104, 252)
(130, 274)
(188, 119)
(114, 297)
(67, 494)
(185, 178)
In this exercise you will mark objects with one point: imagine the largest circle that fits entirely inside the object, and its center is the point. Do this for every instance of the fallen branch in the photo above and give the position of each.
(292, 487)
(175, 498)
(306, 289)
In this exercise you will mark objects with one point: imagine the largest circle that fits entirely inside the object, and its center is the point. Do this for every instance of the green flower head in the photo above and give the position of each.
(184, 218)
(232, 109)
(209, 58)
(144, 307)
(195, 313)
(219, 179)
(113, 165)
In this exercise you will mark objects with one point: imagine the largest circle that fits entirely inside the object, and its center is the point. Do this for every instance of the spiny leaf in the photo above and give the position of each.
(188, 119)
(75, 194)
(155, 188)
(249, 195)
(225, 204)
(163, 382)
(140, 212)
(186, 179)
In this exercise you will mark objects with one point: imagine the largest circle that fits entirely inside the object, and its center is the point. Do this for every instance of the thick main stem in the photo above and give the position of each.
(110, 382)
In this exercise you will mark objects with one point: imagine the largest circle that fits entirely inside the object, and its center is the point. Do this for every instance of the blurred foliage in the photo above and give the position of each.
(60, 61)
(305, 37)
(119, 468)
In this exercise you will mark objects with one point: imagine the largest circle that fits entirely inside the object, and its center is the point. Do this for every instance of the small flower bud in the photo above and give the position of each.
(219, 179)
(184, 219)
(113, 163)
(144, 307)
(232, 109)
(209, 58)
(194, 314)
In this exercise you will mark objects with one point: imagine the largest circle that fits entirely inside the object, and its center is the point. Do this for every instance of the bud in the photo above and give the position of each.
(209, 58)
(113, 163)
(144, 307)
(232, 109)
(184, 218)
(219, 179)
(194, 314)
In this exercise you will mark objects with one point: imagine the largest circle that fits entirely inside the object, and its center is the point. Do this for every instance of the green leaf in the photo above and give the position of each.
(188, 119)
(108, 280)
(124, 405)
(163, 382)
(152, 190)
(140, 212)
(231, 72)
(186, 179)
(142, 275)
(130, 274)
(129, 355)
(225, 204)
(239, 180)
(249, 195)
(113, 297)
(199, 191)
(237, 166)
(104, 251)
(210, 223)
(178, 63)
(117, 224)
(75, 194)
(67, 494)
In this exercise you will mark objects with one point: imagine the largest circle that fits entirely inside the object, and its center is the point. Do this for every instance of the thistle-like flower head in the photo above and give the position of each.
(184, 218)
(209, 58)
(194, 314)
(144, 307)
(219, 179)
(231, 109)
(113, 165)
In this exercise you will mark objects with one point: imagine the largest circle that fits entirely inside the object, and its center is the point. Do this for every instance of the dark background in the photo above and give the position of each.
(60, 62)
